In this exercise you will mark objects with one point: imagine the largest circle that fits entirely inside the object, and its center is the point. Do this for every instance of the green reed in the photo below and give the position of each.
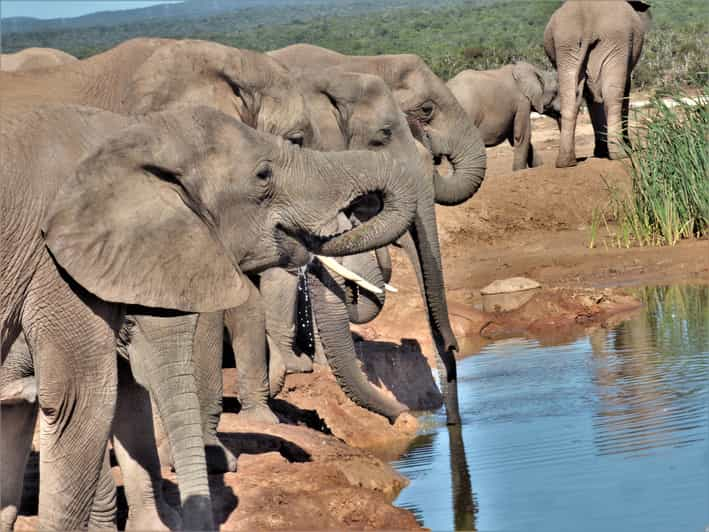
(669, 168)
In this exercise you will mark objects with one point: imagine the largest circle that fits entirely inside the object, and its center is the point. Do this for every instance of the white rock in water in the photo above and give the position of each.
(506, 286)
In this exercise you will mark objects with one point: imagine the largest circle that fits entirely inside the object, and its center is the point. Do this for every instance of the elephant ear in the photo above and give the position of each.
(530, 83)
(126, 228)
(639, 5)
(333, 84)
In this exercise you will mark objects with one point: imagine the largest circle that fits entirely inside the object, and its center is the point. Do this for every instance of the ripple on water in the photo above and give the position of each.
(609, 432)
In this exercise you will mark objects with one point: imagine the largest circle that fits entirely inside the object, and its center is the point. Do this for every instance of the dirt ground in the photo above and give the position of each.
(324, 466)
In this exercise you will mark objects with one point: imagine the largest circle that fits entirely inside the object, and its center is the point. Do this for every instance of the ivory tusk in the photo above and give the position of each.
(339, 269)
(390, 288)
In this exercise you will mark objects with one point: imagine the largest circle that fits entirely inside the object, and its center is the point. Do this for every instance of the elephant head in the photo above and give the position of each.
(540, 87)
(434, 113)
(229, 198)
(358, 111)
(251, 86)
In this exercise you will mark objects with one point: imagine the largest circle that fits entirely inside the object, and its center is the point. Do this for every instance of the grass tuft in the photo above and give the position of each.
(669, 166)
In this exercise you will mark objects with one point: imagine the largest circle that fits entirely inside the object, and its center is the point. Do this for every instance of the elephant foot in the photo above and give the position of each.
(160, 517)
(617, 155)
(8, 516)
(219, 458)
(566, 161)
(299, 364)
(258, 414)
(601, 152)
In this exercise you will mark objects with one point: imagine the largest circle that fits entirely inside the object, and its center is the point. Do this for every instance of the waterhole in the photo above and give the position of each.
(609, 432)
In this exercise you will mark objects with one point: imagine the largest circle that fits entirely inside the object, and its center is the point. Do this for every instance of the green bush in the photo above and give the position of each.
(669, 166)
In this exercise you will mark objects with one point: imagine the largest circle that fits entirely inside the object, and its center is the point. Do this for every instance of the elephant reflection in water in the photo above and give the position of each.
(640, 405)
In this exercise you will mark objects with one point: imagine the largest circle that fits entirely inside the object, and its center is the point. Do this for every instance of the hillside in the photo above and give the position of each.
(450, 35)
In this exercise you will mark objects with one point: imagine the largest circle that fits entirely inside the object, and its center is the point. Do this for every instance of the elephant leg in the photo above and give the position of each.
(160, 351)
(522, 136)
(18, 422)
(247, 328)
(105, 507)
(72, 336)
(134, 445)
(615, 92)
(207, 358)
(571, 84)
(597, 113)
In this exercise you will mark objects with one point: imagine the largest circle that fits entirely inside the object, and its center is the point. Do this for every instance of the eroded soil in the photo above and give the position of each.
(312, 471)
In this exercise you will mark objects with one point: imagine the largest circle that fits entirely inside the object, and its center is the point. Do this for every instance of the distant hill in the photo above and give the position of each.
(189, 9)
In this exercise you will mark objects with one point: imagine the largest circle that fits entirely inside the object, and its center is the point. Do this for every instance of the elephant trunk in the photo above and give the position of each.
(422, 247)
(465, 150)
(370, 174)
(362, 305)
(333, 324)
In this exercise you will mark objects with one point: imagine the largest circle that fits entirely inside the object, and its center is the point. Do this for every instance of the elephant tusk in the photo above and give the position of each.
(339, 269)
(390, 288)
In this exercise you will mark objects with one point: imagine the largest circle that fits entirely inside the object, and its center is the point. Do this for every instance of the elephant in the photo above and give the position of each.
(499, 103)
(594, 47)
(145, 75)
(158, 216)
(32, 58)
(439, 122)
(349, 111)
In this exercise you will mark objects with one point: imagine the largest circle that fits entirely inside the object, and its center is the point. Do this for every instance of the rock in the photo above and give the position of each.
(506, 286)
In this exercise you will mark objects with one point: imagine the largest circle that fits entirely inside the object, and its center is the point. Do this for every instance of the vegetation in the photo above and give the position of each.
(451, 35)
(669, 165)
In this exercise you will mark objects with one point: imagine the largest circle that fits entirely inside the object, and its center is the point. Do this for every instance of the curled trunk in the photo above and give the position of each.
(362, 305)
(463, 145)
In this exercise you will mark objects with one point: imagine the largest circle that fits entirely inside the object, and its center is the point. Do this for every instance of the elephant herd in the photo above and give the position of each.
(163, 194)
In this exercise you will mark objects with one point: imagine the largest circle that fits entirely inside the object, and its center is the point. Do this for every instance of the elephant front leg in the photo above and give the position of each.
(72, 336)
(160, 352)
(247, 329)
(207, 357)
(134, 445)
(522, 137)
(18, 416)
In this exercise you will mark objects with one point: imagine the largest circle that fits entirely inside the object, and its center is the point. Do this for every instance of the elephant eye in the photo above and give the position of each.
(382, 138)
(264, 172)
(296, 138)
(427, 109)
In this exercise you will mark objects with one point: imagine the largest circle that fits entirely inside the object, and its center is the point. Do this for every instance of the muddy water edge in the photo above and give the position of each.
(608, 432)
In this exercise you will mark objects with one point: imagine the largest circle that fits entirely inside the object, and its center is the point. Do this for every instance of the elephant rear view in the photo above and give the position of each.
(499, 103)
(594, 47)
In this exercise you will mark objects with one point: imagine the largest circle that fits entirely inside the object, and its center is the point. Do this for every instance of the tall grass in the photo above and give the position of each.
(669, 166)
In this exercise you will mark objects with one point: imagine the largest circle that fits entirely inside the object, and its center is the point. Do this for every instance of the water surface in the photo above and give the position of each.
(610, 432)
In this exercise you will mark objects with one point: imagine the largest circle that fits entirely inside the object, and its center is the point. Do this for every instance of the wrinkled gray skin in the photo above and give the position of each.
(32, 58)
(439, 122)
(355, 111)
(163, 212)
(594, 47)
(144, 75)
(500, 101)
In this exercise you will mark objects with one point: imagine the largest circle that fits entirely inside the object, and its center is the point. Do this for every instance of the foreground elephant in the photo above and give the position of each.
(32, 58)
(594, 47)
(146, 75)
(500, 101)
(440, 123)
(164, 212)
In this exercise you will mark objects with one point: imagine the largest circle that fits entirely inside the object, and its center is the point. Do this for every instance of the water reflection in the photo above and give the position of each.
(650, 372)
(609, 432)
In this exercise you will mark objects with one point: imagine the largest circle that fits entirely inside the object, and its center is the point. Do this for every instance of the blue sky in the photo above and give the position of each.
(57, 9)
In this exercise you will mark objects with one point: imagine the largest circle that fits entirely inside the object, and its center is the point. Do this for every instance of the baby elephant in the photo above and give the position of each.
(500, 101)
